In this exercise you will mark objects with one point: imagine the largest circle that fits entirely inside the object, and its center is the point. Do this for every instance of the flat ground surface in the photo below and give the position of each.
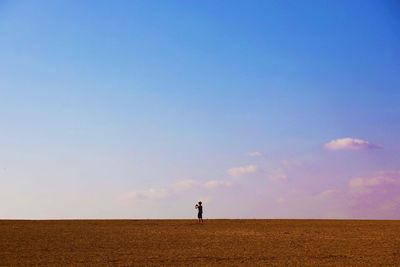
(184, 242)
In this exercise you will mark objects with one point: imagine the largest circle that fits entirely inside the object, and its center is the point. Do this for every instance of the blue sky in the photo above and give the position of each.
(108, 109)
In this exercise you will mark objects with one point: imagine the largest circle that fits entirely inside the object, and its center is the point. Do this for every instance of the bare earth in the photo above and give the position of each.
(184, 242)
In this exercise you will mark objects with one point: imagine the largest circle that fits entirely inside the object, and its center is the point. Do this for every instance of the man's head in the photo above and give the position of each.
(200, 202)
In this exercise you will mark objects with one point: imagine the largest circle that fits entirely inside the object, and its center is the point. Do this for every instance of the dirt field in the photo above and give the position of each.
(216, 242)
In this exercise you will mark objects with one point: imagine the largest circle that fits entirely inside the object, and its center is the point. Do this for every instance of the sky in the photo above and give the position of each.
(140, 109)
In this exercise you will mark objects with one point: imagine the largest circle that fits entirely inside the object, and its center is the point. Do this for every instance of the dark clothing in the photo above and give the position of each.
(200, 213)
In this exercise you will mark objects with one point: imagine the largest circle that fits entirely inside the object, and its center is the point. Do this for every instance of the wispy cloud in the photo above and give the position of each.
(185, 185)
(278, 174)
(255, 154)
(376, 196)
(242, 170)
(373, 196)
(178, 188)
(148, 194)
(284, 170)
(368, 184)
(212, 184)
(350, 144)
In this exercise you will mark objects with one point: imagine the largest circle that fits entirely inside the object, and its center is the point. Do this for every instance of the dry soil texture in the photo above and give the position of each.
(184, 242)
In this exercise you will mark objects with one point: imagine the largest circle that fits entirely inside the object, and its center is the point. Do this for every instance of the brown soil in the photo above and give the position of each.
(184, 242)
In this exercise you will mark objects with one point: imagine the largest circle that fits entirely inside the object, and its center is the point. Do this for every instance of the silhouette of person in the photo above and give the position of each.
(199, 207)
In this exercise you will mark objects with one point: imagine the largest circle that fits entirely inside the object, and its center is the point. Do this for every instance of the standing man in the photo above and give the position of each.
(199, 207)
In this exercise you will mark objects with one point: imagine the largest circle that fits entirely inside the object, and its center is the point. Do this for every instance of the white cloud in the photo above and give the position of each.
(254, 154)
(175, 189)
(242, 170)
(284, 170)
(366, 184)
(217, 183)
(350, 144)
(362, 184)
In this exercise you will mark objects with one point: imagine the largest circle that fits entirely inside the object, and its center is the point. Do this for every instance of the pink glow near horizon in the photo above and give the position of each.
(292, 189)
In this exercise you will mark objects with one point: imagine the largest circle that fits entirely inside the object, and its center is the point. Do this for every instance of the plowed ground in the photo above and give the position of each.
(185, 242)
